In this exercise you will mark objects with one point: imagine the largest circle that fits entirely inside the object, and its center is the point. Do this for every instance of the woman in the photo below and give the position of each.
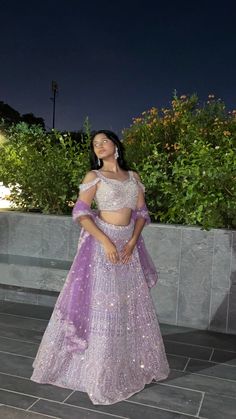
(103, 337)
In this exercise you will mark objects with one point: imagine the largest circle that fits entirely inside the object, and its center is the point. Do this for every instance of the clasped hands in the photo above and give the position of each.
(112, 254)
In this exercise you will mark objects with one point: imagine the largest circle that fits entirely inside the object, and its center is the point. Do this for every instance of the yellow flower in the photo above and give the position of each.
(227, 133)
(176, 146)
(153, 111)
(137, 120)
(70, 204)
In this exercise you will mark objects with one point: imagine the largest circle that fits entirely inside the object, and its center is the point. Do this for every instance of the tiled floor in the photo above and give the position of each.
(202, 382)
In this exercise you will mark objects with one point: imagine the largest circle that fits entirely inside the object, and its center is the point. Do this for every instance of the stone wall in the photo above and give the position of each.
(197, 269)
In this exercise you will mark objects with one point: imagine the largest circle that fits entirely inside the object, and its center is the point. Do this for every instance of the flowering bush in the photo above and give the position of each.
(186, 156)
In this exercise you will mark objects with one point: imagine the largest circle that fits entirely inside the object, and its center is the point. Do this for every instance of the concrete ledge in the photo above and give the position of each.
(197, 269)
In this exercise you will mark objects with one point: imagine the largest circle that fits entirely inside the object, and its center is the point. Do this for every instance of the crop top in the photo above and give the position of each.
(114, 194)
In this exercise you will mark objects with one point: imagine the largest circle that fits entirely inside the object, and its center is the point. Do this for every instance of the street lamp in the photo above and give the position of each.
(54, 92)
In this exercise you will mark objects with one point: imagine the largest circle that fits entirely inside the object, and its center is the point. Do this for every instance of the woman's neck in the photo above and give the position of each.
(110, 166)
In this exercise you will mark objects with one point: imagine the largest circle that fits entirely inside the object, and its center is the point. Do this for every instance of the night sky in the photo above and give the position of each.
(114, 59)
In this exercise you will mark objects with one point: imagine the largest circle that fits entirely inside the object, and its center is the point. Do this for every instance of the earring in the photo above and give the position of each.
(116, 155)
(99, 162)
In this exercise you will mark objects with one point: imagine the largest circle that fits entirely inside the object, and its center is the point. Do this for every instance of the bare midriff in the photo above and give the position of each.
(119, 217)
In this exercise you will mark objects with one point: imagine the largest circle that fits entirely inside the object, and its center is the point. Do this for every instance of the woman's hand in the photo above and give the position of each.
(111, 251)
(128, 250)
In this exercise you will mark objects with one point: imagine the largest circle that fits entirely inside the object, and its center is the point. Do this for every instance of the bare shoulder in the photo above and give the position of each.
(136, 175)
(89, 177)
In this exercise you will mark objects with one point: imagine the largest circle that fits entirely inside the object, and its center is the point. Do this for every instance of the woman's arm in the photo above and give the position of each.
(86, 196)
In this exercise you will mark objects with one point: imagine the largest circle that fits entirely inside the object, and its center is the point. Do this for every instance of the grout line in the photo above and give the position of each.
(177, 355)
(14, 354)
(186, 364)
(59, 402)
(67, 397)
(212, 376)
(179, 270)
(213, 362)
(24, 317)
(87, 409)
(179, 387)
(192, 389)
(210, 358)
(230, 268)
(13, 375)
(201, 402)
(29, 395)
(189, 344)
(19, 340)
(35, 401)
(199, 346)
(31, 411)
(186, 343)
(211, 282)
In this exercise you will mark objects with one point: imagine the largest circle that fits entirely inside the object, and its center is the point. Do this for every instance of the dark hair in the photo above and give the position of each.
(115, 139)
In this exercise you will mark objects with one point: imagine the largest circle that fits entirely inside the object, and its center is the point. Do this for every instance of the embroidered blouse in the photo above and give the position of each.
(113, 195)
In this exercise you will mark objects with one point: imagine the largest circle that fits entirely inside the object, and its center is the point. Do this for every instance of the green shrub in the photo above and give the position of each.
(42, 169)
(186, 156)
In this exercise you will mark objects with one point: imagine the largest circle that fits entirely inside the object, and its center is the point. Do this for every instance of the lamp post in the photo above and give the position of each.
(54, 92)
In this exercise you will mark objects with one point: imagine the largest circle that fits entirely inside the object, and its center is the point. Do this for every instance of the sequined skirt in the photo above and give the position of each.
(103, 337)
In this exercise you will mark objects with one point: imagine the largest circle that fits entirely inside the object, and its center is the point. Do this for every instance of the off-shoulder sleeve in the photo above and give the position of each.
(141, 185)
(85, 186)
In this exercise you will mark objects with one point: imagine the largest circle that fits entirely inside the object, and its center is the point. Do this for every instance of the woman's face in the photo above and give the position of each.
(103, 146)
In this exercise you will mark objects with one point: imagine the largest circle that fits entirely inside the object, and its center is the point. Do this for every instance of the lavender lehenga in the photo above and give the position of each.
(103, 337)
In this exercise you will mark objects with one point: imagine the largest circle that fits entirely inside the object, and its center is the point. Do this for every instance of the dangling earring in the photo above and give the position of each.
(116, 155)
(99, 162)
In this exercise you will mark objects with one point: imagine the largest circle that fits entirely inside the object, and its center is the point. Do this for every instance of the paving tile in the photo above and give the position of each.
(177, 362)
(155, 395)
(196, 262)
(204, 338)
(170, 398)
(22, 322)
(16, 365)
(17, 400)
(212, 369)
(64, 411)
(202, 383)
(13, 413)
(224, 356)
(169, 329)
(26, 310)
(191, 351)
(21, 334)
(219, 309)
(25, 386)
(123, 409)
(232, 302)
(18, 347)
(218, 407)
